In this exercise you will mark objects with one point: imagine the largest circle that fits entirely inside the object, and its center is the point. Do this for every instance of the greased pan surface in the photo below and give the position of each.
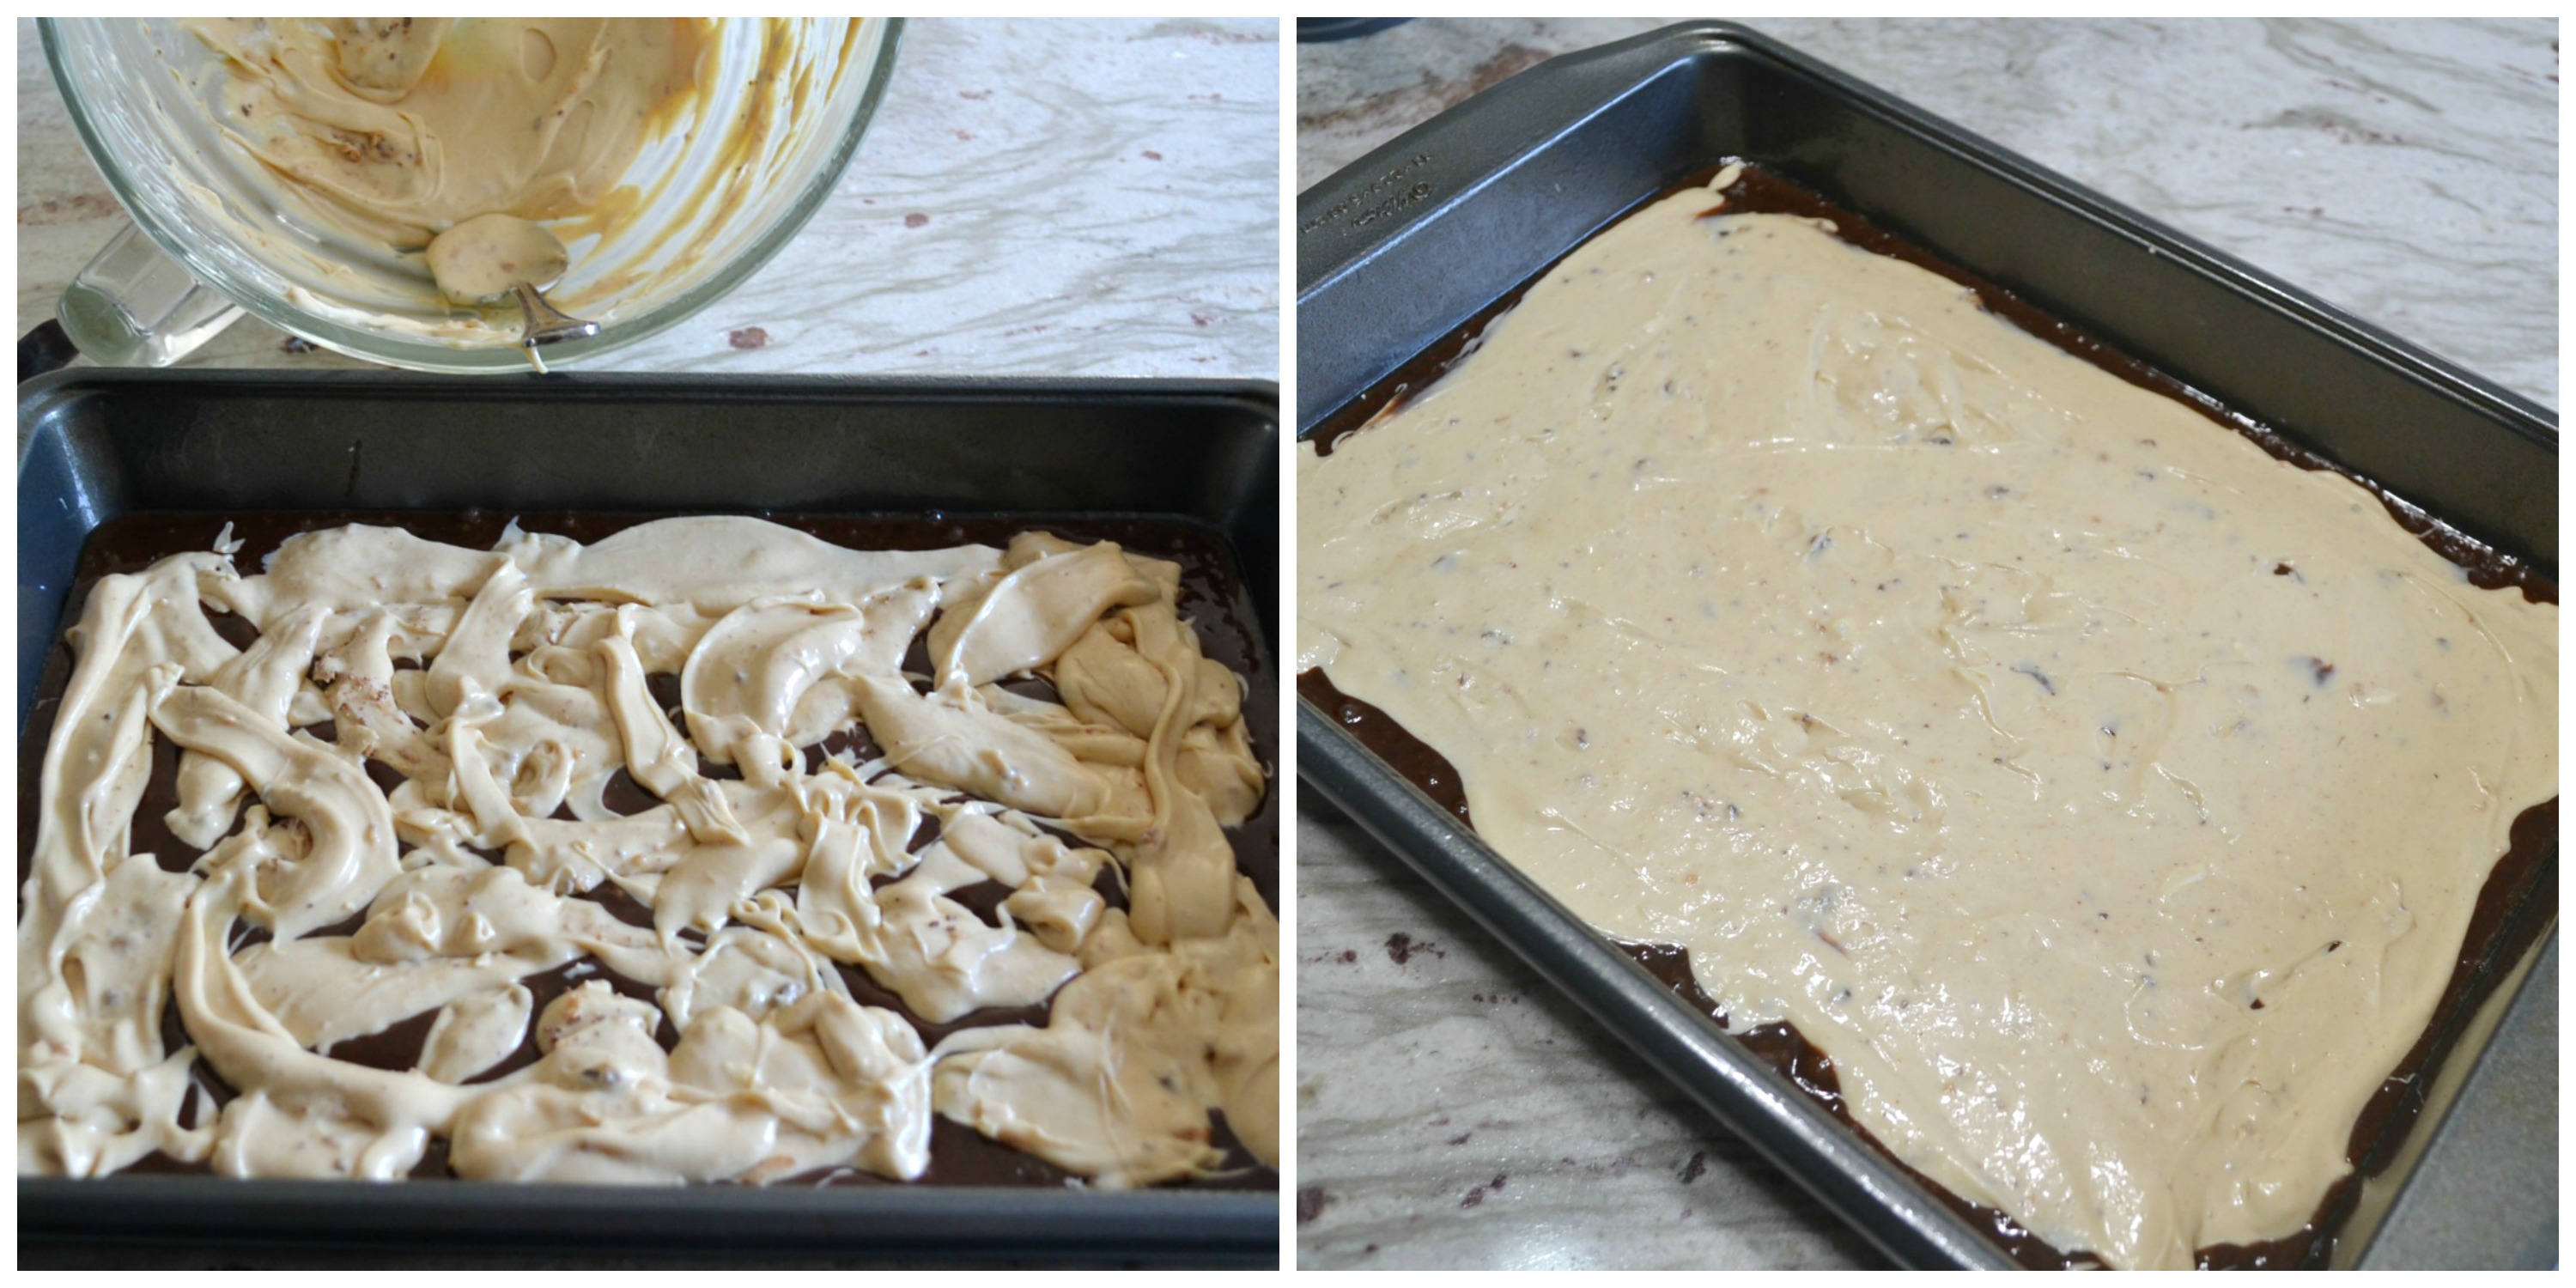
(1402, 248)
(106, 443)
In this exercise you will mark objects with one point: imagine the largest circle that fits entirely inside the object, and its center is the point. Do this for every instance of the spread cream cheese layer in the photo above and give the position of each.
(528, 696)
(2106, 798)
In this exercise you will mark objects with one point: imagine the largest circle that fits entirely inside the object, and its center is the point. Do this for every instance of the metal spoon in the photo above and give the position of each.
(545, 323)
(493, 255)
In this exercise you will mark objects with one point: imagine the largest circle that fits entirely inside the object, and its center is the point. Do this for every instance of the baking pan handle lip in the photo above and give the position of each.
(74, 469)
(1458, 152)
(45, 391)
(2519, 412)
(38, 396)
(912, 1222)
(1441, 162)
(2515, 410)
(1742, 1092)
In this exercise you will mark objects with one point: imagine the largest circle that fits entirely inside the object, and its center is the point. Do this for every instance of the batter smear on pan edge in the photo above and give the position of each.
(428, 854)
(2107, 799)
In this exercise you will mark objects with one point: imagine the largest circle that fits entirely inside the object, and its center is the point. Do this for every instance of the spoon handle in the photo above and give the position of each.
(546, 325)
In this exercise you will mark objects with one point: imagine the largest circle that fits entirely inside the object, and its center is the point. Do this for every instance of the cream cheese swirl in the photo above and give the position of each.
(327, 908)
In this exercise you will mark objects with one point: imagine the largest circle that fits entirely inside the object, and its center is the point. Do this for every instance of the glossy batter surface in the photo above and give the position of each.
(2106, 798)
(430, 854)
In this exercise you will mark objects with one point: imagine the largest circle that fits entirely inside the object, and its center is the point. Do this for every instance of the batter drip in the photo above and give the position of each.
(2105, 798)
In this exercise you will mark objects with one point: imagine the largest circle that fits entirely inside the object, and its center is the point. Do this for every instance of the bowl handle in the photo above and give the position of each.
(136, 307)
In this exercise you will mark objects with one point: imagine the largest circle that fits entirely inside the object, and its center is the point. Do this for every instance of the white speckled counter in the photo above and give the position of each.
(1075, 198)
(1451, 1110)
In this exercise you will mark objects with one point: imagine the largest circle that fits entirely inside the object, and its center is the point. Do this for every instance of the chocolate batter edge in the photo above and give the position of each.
(2516, 905)
(1215, 600)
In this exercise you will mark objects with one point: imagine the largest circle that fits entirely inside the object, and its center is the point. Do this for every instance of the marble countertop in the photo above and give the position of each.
(1063, 198)
(1452, 1110)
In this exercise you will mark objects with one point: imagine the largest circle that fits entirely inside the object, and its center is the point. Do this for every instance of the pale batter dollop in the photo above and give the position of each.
(2107, 799)
(390, 132)
(489, 254)
(441, 895)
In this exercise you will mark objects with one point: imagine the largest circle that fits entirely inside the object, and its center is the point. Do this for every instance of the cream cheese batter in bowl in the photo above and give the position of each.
(311, 169)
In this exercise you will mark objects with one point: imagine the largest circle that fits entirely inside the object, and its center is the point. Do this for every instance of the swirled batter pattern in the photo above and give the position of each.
(438, 774)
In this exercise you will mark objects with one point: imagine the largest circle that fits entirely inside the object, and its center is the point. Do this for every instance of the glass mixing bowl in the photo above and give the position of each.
(708, 201)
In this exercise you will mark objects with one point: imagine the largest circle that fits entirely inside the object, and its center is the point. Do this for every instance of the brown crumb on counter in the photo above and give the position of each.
(1311, 1201)
(1400, 948)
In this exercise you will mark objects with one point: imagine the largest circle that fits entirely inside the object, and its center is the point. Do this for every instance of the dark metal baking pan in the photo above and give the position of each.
(106, 443)
(1405, 246)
